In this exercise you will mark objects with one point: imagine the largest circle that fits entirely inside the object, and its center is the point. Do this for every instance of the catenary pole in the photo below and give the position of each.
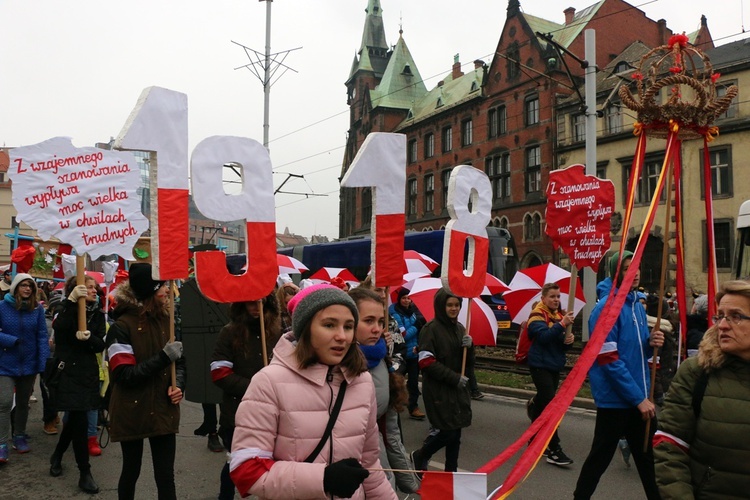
(589, 277)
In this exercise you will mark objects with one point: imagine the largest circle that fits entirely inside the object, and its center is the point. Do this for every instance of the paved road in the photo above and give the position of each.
(498, 420)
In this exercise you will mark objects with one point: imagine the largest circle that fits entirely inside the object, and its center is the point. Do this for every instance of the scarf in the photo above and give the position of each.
(374, 353)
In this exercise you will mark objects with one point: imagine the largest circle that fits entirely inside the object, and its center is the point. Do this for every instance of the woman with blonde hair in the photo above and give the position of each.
(701, 449)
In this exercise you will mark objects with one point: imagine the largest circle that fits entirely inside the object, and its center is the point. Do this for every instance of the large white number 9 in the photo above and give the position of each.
(254, 203)
(467, 184)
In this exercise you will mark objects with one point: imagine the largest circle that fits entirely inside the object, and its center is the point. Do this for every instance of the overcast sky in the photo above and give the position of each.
(76, 68)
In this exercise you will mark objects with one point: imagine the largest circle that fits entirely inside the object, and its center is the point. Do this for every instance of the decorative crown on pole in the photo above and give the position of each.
(679, 66)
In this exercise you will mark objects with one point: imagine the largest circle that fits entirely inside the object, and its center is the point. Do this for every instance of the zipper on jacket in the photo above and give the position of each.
(640, 345)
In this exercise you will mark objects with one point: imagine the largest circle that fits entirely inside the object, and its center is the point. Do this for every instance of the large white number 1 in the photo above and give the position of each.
(158, 123)
(467, 226)
(381, 164)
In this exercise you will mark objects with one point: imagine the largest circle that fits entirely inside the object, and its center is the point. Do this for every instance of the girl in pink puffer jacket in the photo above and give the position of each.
(285, 411)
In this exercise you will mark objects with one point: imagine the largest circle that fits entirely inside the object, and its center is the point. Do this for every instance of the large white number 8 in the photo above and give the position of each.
(467, 184)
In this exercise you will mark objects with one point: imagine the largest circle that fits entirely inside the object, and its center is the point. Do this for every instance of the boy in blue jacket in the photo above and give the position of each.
(620, 383)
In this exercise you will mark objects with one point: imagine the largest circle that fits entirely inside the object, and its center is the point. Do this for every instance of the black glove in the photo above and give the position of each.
(342, 478)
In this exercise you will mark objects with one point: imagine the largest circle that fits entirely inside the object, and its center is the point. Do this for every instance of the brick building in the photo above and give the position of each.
(499, 116)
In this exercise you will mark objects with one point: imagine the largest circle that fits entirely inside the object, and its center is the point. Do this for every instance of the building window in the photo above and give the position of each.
(467, 132)
(445, 177)
(498, 170)
(532, 110)
(721, 91)
(601, 171)
(721, 173)
(579, 127)
(723, 240)
(429, 193)
(366, 207)
(534, 169)
(496, 118)
(429, 145)
(447, 139)
(647, 183)
(561, 128)
(536, 227)
(412, 186)
(512, 58)
(413, 151)
(612, 119)
(527, 227)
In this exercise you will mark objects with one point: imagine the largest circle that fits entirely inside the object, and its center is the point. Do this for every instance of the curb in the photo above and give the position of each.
(512, 392)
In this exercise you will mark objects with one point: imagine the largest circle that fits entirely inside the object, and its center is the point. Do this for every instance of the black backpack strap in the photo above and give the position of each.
(698, 392)
(331, 421)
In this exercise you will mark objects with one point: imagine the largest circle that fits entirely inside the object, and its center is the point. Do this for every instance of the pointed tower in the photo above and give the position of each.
(371, 59)
(370, 62)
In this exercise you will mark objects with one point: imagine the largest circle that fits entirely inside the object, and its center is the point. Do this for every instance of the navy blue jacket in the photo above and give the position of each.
(547, 350)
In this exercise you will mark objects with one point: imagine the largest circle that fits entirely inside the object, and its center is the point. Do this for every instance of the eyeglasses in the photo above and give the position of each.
(732, 319)
(24, 285)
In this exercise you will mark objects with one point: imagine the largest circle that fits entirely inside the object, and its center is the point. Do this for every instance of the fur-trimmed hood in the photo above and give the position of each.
(124, 299)
(710, 355)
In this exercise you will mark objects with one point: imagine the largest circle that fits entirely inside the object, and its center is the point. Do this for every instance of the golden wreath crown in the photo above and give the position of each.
(682, 67)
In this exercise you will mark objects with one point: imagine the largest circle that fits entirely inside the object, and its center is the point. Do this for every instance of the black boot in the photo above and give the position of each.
(87, 483)
(55, 465)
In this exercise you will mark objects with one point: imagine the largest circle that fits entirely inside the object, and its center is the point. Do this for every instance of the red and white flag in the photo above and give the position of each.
(453, 486)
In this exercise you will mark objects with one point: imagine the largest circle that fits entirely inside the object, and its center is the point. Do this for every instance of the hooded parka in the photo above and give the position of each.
(440, 357)
(139, 405)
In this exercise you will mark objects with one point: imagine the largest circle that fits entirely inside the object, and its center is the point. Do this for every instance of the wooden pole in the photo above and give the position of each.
(662, 284)
(81, 280)
(171, 330)
(572, 295)
(263, 346)
(466, 349)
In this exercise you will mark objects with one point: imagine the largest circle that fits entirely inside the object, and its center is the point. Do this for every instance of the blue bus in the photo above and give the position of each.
(354, 253)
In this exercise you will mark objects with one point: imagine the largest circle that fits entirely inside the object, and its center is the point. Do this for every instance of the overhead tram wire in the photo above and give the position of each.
(466, 64)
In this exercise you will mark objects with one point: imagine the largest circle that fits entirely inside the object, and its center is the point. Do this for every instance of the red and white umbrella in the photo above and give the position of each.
(483, 326)
(326, 274)
(526, 288)
(493, 285)
(419, 262)
(289, 265)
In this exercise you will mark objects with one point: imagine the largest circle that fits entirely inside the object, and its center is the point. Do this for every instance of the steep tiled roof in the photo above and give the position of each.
(564, 34)
(402, 84)
(451, 93)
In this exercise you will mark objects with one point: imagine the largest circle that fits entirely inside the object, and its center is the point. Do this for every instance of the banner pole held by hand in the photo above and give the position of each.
(81, 280)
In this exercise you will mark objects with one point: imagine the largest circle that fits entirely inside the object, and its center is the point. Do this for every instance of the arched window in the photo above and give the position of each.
(527, 229)
(536, 227)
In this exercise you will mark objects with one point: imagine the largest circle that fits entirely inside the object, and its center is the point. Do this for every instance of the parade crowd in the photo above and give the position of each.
(321, 418)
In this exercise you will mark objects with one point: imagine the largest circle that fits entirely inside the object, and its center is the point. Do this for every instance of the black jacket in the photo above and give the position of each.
(441, 355)
(78, 388)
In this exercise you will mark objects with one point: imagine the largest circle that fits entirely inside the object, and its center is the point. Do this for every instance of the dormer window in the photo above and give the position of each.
(474, 87)
(407, 70)
(622, 66)
(439, 102)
